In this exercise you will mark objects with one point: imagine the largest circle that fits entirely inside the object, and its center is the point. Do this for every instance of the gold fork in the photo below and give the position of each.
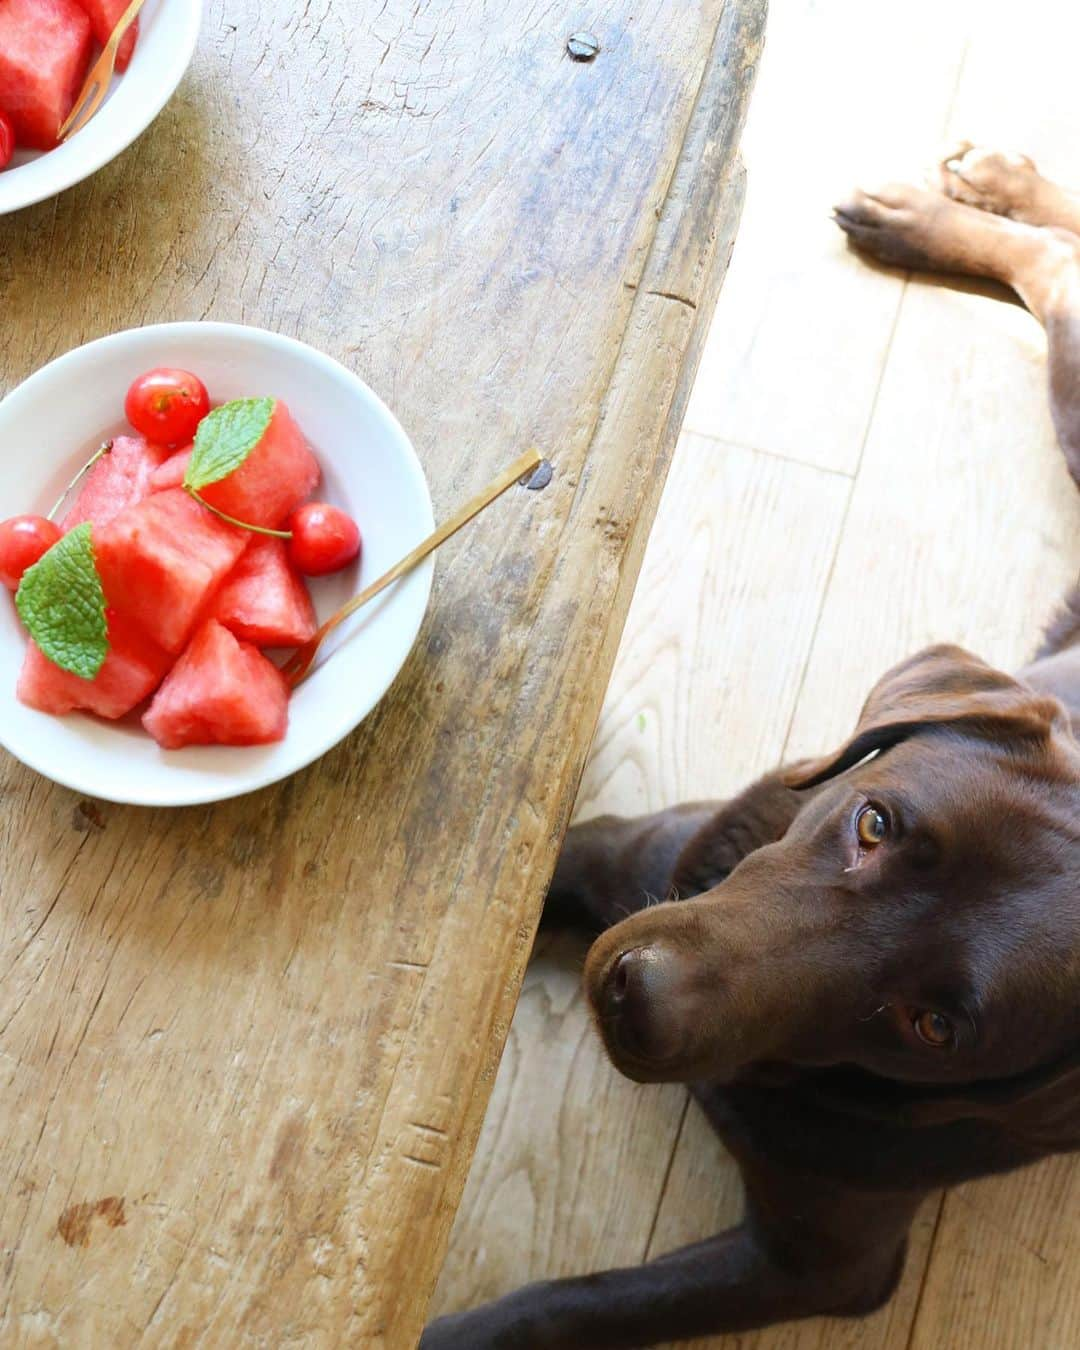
(298, 667)
(96, 85)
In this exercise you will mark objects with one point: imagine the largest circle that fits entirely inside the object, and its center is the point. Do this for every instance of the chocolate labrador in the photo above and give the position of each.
(870, 976)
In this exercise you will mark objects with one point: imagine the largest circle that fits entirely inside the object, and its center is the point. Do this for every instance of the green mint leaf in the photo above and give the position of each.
(225, 438)
(61, 602)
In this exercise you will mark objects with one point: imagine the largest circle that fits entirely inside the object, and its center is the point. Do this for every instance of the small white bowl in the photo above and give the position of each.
(52, 422)
(168, 31)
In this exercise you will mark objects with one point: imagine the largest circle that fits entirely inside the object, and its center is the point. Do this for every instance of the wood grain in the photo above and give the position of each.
(269, 1028)
(1005, 1261)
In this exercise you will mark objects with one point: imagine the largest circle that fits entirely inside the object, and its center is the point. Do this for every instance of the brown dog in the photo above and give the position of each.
(876, 989)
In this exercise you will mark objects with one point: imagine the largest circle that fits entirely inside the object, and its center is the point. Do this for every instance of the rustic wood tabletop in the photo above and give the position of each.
(245, 1050)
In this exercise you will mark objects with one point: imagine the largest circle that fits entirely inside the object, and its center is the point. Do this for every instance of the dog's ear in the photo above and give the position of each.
(940, 686)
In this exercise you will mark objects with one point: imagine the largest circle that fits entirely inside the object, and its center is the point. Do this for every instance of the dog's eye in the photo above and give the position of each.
(934, 1028)
(871, 826)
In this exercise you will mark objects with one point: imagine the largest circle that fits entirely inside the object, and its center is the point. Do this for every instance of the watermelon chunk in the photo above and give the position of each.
(44, 54)
(263, 600)
(220, 692)
(133, 669)
(119, 479)
(171, 473)
(278, 474)
(104, 15)
(161, 559)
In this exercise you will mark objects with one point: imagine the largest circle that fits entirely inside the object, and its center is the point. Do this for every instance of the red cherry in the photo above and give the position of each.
(23, 540)
(324, 539)
(167, 405)
(7, 140)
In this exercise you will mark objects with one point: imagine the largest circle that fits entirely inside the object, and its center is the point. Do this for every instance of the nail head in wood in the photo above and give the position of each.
(582, 46)
(537, 478)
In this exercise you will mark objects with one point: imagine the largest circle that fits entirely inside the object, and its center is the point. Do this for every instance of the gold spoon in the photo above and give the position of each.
(298, 667)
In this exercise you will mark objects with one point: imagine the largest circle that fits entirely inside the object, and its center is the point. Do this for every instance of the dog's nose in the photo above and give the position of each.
(638, 1002)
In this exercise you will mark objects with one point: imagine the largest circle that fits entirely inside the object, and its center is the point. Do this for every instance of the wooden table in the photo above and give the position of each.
(245, 1050)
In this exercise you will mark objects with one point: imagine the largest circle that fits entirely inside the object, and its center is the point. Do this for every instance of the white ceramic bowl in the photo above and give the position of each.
(168, 31)
(53, 421)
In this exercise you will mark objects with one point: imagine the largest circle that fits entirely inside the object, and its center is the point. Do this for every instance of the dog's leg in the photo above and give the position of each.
(1008, 185)
(611, 867)
(739, 1280)
(924, 230)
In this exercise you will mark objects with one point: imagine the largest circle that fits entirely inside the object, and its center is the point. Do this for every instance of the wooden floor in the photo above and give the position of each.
(868, 465)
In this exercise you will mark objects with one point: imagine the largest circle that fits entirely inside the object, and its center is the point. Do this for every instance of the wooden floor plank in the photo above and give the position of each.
(801, 329)
(571, 1163)
(986, 1288)
(726, 606)
(1018, 86)
(963, 526)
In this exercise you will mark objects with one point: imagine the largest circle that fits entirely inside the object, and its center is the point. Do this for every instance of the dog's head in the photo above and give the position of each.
(920, 919)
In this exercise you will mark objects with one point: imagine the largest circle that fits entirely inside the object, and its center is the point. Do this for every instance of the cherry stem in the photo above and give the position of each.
(102, 450)
(240, 524)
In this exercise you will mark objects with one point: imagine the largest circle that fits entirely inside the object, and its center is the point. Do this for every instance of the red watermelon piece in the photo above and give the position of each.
(133, 669)
(161, 559)
(263, 600)
(118, 480)
(104, 15)
(278, 474)
(45, 48)
(220, 692)
(171, 473)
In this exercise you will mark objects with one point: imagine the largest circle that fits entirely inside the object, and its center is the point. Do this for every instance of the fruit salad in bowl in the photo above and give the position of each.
(47, 48)
(175, 529)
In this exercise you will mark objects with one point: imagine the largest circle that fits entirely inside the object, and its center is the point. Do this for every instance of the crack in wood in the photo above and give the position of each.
(670, 295)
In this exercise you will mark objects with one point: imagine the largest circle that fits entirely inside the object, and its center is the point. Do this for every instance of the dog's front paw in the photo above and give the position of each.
(1004, 184)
